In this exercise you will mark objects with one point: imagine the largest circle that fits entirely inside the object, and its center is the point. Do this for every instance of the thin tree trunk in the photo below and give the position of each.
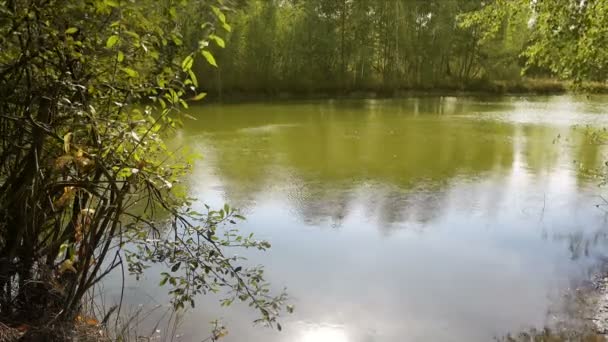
(342, 62)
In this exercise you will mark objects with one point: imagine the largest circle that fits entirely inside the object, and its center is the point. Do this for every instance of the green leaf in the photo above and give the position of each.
(219, 14)
(111, 3)
(218, 40)
(133, 34)
(186, 115)
(112, 40)
(130, 72)
(193, 78)
(222, 17)
(71, 30)
(120, 57)
(177, 40)
(209, 57)
(187, 63)
(199, 97)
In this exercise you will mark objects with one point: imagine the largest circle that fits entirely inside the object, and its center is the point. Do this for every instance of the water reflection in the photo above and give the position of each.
(316, 144)
(445, 219)
(322, 333)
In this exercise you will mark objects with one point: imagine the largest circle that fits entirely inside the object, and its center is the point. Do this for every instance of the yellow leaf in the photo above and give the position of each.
(62, 162)
(67, 139)
(92, 321)
(87, 211)
(66, 266)
(66, 198)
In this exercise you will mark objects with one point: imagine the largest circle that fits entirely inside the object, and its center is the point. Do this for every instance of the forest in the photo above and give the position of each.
(343, 46)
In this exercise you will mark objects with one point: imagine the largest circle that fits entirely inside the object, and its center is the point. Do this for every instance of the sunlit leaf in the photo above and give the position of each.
(187, 63)
(218, 40)
(193, 78)
(130, 72)
(65, 266)
(218, 13)
(111, 3)
(199, 97)
(67, 139)
(112, 40)
(209, 57)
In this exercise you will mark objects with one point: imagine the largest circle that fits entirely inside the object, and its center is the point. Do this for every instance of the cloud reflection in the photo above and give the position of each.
(323, 333)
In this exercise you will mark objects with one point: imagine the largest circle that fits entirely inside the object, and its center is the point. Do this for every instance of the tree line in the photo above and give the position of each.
(370, 45)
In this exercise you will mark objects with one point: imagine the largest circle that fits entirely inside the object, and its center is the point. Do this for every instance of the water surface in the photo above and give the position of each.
(430, 218)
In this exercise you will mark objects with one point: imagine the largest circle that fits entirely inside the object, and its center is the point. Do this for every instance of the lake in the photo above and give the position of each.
(425, 218)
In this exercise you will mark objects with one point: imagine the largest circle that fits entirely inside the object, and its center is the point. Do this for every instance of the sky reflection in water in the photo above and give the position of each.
(445, 219)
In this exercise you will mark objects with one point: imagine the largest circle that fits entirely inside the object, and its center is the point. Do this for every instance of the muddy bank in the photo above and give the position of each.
(583, 317)
(599, 303)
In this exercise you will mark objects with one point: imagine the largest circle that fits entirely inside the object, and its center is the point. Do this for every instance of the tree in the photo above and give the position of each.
(88, 91)
(343, 45)
(569, 37)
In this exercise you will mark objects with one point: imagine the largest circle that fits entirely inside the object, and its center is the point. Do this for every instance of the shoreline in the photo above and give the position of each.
(285, 97)
(529, 87)
(599, 302)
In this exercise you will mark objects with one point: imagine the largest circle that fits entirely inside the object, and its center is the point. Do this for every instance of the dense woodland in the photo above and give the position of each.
(338, 46)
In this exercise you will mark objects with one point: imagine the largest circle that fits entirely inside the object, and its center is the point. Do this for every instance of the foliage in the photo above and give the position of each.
(569, 37)
(377, 45)
(88, 91)
(337, 45)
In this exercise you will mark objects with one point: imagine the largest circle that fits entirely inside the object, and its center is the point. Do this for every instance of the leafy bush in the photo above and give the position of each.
(88, 91)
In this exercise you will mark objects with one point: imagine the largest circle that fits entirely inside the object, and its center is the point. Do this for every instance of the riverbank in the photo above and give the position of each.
(583, 317)
(599, 303)
(480, 88)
